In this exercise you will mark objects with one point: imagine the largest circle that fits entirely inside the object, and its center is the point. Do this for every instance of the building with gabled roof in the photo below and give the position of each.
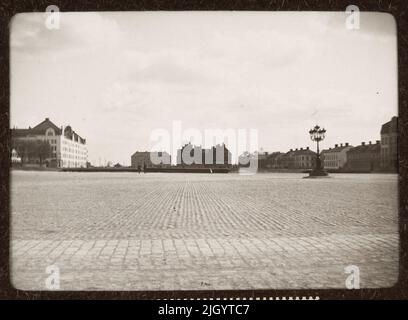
(68, 148)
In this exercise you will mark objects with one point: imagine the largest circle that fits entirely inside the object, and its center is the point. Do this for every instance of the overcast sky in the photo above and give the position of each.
(115, 77)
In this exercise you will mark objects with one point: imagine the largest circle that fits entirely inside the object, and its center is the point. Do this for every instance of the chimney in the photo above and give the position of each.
(307, 148)
(369, 142)
(329, 148)
(47, 119)
(336, 145)
(301, 148)
(377, 142)
(291, 149)
(363, 143)
(341, 144)
(346, 144)
(296, 149)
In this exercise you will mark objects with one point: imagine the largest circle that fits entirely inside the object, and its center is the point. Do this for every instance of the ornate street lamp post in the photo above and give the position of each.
(317, 134)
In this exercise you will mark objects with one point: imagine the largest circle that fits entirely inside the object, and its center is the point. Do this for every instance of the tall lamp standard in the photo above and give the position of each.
(317, 134)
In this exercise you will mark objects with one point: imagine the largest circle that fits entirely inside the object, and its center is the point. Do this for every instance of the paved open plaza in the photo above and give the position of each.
(174, 231)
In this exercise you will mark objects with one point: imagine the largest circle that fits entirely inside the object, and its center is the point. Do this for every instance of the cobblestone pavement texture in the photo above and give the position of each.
(171, 231)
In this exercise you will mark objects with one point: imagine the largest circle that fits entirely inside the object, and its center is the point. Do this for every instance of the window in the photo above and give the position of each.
(50, 132)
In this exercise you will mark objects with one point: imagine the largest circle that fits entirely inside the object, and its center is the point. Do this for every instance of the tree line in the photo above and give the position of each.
(33, 149)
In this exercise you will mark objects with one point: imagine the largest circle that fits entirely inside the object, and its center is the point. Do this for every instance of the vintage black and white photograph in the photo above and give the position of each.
(223, 150)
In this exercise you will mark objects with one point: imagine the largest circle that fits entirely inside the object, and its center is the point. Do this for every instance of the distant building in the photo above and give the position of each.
(364, 158)
(269, 160)
(262, 159)
(287, 160)
(335, 158)
(274, 160)
(196, 156)
(68, 149)
(155, 159)
(389, 145)
(302, 158)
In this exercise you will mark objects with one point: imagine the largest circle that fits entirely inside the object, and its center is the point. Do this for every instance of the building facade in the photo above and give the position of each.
(196, 156)
(389, 145)
(299, 158)
(269, 160)
(304, 158)
(335, 158)
(68, 149)
(154, 159)
(364, 158)
(287, 160)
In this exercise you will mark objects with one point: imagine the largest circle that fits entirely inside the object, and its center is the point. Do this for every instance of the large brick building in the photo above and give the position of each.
(389, 145)
(68, 149)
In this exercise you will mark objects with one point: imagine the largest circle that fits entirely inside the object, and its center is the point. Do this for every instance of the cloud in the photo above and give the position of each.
(171, 68)
(78, 33)
(130, 73)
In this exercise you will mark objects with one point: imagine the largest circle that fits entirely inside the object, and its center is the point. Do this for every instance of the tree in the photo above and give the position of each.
(24, 149)
(32, 149)
(42, 150)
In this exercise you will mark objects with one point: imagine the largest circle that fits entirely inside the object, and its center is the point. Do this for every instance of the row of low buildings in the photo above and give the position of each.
(188, 156)
(382, 155)
(300, 158)
(67, 148)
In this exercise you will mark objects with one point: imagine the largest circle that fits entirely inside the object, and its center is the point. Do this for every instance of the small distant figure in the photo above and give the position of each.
(139, 169)
(144, 168)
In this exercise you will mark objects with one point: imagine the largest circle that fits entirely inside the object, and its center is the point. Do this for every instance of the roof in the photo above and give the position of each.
(390, 126)
(336, 149)
(303, 151)
(374, 147)
(149, 152)
(139, 152)
(21, 132)
(39, 129)
(274, 155)
(43, 126)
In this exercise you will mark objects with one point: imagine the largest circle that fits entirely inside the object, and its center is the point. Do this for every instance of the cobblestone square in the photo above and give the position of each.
(172, 231)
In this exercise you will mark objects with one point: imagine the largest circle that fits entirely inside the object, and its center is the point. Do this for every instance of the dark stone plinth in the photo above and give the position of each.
(318, 173)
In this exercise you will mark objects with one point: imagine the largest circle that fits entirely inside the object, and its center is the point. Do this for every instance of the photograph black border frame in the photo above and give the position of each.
(8, 8)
